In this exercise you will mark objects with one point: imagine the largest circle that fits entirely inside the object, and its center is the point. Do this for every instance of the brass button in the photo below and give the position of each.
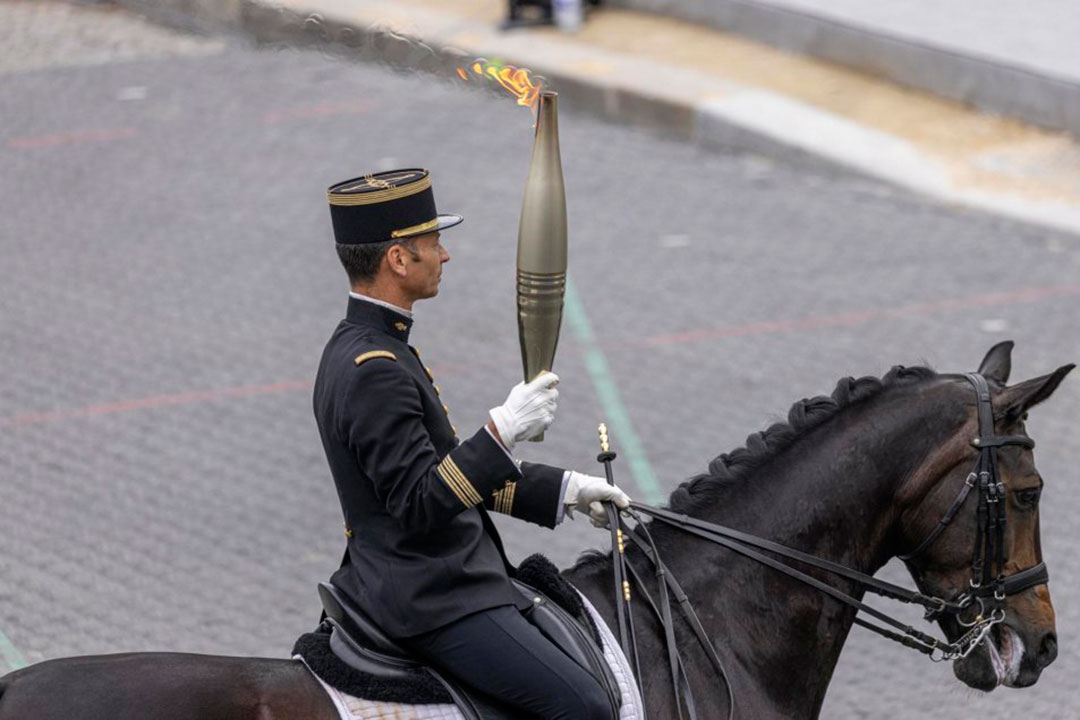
(437, 392)
(446, 409)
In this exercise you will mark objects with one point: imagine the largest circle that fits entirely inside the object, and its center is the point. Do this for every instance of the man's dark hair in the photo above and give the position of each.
(361, 261)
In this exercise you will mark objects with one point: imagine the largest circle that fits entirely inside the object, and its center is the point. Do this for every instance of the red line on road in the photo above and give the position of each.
(1028, 295)
(358, 107)
(858, 318)
(71, 138)
(156, 401)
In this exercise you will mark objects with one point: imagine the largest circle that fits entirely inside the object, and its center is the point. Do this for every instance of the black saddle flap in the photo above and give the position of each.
(361, 645)
(358, 625)
(567, 633)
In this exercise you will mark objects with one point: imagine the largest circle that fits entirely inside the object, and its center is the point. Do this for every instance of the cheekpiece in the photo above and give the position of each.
(385, 206)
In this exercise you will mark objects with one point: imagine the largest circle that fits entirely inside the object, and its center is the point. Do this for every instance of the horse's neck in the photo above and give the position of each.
(830, 495)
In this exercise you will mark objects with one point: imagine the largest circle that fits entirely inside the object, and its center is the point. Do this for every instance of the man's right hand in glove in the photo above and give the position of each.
(528, 411)
(586, 494)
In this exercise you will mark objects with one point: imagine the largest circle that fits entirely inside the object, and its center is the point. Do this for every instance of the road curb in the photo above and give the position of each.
(989, 84)
(676, 114)
(681, 103)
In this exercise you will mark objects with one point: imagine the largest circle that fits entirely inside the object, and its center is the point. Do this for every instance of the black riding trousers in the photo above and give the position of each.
(500, 653)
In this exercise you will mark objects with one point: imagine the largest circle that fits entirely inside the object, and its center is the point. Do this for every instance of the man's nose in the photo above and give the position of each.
(444, 256)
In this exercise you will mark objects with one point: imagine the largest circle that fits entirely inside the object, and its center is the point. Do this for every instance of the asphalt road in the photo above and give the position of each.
(168, 281)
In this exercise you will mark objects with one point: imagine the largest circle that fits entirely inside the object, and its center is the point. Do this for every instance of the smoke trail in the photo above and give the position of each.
(276, 26)
(389, 47)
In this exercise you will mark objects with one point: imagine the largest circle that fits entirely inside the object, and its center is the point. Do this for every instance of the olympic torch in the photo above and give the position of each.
(541, 253)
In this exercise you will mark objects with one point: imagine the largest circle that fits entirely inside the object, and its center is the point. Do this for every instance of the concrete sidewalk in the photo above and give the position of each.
(701, 85)
(1015, 57)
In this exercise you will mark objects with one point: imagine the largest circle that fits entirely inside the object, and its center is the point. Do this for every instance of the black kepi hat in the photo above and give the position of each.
(385, 206)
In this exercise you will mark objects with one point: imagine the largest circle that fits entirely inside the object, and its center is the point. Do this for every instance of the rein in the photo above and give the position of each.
(989, 585)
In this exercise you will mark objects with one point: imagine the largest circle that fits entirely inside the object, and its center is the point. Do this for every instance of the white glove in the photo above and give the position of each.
(584, 493)
(528, 411)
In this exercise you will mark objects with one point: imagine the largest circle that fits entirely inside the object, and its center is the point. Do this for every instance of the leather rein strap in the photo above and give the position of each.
(988, 563)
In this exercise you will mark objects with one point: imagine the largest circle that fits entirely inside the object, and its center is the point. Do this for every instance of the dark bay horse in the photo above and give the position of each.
(857, 478)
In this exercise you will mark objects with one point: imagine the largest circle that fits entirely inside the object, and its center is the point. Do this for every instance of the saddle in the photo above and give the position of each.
(381, 669)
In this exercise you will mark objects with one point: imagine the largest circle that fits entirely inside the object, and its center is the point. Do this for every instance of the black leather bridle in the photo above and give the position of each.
(983, 601)
(988, 578)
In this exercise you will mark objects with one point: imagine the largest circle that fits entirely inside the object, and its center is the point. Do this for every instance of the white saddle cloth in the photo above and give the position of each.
(354, 708)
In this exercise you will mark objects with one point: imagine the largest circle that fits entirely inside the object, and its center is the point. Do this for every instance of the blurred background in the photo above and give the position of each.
(764, 197)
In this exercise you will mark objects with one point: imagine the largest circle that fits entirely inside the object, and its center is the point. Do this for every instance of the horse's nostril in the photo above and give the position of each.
(1047, 649)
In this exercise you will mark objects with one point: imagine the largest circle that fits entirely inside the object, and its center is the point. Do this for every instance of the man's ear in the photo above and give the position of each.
(397, 260)
(1016, 400)
(998, 362)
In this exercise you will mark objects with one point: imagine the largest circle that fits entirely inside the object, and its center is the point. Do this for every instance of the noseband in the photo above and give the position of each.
(988, 587)
(988, 578)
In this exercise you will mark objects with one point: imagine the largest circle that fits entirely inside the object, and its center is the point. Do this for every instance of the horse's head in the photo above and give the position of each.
(947, 564)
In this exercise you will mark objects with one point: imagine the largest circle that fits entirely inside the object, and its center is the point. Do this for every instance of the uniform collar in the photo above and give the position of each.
(364, 312)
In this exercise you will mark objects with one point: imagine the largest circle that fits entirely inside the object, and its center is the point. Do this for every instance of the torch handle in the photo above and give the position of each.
(540, 436)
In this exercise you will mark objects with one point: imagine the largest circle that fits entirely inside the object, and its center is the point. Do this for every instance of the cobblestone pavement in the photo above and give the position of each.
(169, 284)
(41, 34)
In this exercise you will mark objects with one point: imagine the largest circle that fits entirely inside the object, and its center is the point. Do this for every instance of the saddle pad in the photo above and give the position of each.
(353, 708)
(620, 666)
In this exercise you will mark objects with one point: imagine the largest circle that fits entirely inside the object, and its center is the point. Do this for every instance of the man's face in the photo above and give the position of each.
(425, 266)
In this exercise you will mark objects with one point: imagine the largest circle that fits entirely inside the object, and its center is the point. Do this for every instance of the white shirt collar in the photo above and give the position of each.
(388, 306)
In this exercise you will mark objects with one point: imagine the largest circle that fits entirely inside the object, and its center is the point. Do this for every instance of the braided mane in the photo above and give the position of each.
(700, 491)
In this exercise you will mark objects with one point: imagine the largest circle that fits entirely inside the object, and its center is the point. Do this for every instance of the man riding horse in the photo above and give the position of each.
(423, 557)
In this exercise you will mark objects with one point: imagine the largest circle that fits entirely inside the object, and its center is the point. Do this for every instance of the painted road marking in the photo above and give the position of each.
(71, 138)
(812, 322)
(11, 654)
(156, 401)
(611, 400)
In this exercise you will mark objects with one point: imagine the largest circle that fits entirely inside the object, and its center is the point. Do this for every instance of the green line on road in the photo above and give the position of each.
(610, 400)
(11, 654)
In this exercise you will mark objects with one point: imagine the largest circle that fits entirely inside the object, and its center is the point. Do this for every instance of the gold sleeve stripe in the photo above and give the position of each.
(370, 198)
(364, 357)
(457, 481)
(455, 485)
(453, 488)
(416, 229)
(470, 491)
(504, 498)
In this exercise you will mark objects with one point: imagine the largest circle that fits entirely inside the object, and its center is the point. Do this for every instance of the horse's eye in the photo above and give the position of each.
(1028, 498)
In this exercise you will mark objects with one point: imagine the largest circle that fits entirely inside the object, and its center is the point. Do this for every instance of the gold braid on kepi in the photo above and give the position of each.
(385, 206)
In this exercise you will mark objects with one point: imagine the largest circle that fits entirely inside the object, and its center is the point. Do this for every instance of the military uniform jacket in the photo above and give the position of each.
(422, 550)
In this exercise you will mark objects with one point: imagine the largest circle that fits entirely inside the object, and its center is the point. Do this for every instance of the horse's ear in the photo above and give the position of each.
(1017, 399)
(998, 362)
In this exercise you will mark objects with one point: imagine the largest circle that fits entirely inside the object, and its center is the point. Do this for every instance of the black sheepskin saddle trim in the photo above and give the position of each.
(540, 573)
(418, 688)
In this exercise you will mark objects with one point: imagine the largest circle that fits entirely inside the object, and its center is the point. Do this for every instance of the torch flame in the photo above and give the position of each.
(517, 81)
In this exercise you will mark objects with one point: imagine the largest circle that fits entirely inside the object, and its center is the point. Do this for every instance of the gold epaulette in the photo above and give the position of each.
(364, 357)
